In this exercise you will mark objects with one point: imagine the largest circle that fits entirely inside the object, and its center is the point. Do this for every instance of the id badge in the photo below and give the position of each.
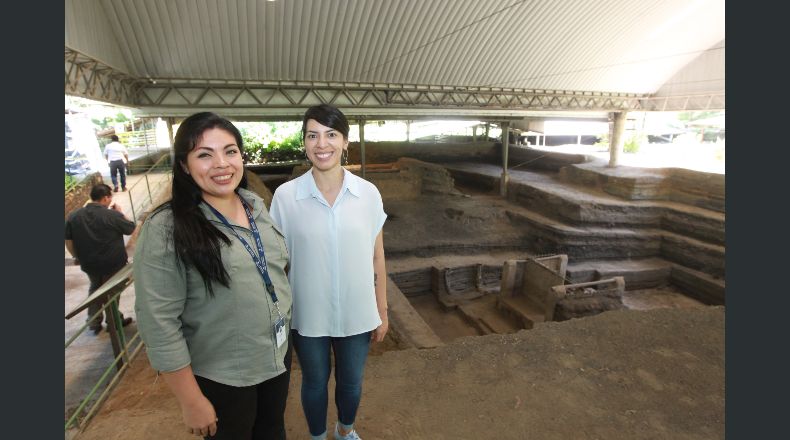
(279, 331)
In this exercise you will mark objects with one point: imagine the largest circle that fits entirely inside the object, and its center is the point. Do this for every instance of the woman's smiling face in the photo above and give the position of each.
(323, 145)
(216, 164)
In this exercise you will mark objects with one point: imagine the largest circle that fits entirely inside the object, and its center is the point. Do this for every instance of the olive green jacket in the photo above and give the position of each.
(228, 338)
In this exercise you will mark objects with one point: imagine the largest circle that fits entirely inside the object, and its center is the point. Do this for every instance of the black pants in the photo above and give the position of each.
(118, 167)
(97, 279)
(255, 412)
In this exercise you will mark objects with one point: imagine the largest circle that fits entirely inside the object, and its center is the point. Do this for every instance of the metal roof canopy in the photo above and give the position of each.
(399, 59)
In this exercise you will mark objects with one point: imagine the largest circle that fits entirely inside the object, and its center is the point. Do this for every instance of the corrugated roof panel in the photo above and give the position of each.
(411, 33)
(704, 74)
(608, 45)
(508, 52)
(88, 29)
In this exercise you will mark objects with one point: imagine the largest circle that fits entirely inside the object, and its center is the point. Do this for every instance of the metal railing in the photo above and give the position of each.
(141, 196)
(72, 184)
(144, 190)
(125, 351)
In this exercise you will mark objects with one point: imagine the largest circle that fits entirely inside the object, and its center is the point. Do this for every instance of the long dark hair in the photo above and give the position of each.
(328, 116)
(196, 240)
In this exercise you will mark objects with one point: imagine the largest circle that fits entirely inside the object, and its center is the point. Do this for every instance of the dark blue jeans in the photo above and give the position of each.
(351, 353)
(118, 167)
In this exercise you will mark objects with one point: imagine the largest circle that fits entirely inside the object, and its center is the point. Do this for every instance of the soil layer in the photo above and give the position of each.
(620, 375)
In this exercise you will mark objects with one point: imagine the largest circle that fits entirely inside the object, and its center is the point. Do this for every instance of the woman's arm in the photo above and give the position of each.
(160, 298)
(380, 282)
(198, 413)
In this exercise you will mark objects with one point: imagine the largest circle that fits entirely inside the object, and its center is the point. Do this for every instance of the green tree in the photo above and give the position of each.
(271, 141)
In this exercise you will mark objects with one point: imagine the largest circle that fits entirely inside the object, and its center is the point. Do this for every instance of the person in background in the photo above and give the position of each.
(94, 236)
(117, 157)
(332, 221)
(212, 297)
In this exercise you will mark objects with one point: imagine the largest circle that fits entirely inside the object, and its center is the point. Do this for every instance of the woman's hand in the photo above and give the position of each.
(197, 411)
(200, 418)
(380, 331)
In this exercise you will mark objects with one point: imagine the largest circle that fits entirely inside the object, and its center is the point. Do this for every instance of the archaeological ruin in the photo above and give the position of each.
(571, 238)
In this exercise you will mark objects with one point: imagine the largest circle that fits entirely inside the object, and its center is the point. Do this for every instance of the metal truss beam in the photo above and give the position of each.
(218, 94)
(710, 101)
(92, 79)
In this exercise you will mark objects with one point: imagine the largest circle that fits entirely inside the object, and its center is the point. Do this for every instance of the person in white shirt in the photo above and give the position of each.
(332, 222)
(117, 157)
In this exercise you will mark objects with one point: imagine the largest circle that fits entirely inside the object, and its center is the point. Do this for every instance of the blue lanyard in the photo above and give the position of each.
(260, 263)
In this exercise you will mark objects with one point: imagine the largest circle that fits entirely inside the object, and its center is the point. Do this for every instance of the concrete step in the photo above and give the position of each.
(575, 204)
(638, 274)
(470, 317)
(523, 310)
(580, 243)
(501, 324)
(484, 315)
(698, 285)
(651, 273)
(692, 188)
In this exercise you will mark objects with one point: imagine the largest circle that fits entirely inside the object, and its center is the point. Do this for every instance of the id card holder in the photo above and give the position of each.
(279, 331)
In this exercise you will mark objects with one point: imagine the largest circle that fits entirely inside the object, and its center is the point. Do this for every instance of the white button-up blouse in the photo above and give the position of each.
(331, 250)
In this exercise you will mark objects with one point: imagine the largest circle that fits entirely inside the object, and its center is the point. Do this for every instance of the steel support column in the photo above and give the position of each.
(362, 147)
(616, 139)
(169, 122)
(503, 180)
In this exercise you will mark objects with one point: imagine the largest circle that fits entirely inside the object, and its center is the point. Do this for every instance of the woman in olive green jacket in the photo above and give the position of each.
(212, 296)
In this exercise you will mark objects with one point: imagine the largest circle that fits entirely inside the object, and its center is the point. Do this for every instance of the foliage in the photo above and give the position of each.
(687, 117)
(631, 145)
(70, 181)
(271, 141)
(107, 121)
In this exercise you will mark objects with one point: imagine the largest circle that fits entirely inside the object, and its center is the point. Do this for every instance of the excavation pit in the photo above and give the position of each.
(480, 299)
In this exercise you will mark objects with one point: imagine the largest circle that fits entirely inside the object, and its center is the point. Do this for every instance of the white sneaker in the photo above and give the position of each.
(350, 436)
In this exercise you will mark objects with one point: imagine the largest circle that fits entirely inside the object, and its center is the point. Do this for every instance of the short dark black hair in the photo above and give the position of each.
(100, 191)
(326, 115)
(114, 138)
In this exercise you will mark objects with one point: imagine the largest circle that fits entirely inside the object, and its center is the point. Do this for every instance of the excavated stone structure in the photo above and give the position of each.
(636, 228)
(587, 299)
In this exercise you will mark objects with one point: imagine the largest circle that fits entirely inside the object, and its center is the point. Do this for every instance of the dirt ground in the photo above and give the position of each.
(620, 375)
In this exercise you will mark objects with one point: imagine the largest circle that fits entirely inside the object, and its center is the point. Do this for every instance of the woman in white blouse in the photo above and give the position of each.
(332, 222)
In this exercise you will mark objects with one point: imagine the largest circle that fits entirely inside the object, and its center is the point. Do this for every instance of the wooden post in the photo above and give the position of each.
(505, 147)
(408, 130)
